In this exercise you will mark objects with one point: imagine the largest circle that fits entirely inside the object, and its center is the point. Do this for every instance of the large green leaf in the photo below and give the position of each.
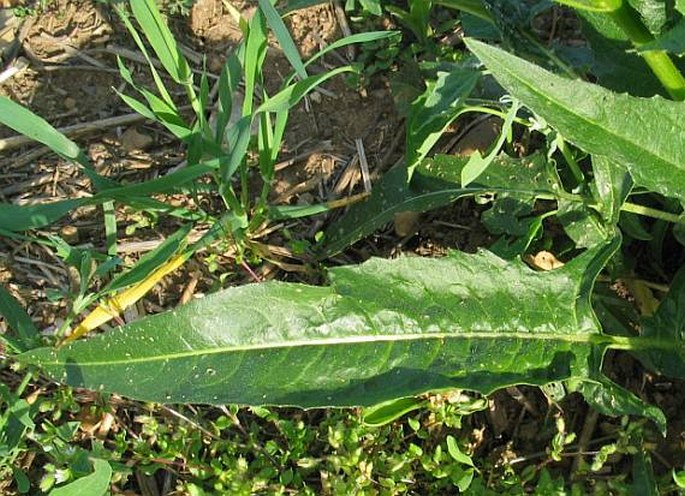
(381, 330)
(646, 135)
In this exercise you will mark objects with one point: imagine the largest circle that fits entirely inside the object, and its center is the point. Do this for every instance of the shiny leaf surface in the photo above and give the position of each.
(381, 330)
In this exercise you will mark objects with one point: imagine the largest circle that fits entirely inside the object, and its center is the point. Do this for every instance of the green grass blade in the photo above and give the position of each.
(273, 19)
(228, 84)
(25, 122)
(238, 139)
(253, 59)
(351, 40)
(173, 122)
(149, 262)
(162, 41)
(153, 70)
(288, 97)
(110, 227)
(24, 217)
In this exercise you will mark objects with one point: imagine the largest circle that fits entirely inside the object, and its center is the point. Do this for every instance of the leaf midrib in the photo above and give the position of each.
(582, 336)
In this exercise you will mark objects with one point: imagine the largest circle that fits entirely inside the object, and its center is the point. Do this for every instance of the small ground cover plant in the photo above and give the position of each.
(385, 332)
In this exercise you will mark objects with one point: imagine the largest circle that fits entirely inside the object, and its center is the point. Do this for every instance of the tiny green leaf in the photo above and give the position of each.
(389, 411)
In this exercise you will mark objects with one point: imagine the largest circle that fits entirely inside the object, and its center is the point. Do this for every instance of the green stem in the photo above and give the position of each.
(498, 113)
(658, 60)
(24, 382)
(570, 160)
(651, 212)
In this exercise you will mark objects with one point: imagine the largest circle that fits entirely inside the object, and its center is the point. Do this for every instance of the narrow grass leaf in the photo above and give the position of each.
(228, 84)
(149, 262)
(162, 41)
(273, 19)
(113, 306)
(110, 227)
(24, 217)
(25, 122)
(238, 140)
(161, 87)
(645, 135)
(291, 95)
(368, 37)
(253, 59)
(382, 330)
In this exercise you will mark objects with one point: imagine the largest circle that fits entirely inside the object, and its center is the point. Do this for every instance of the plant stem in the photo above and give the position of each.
(652, 212)
(658, 60)
(570, 160)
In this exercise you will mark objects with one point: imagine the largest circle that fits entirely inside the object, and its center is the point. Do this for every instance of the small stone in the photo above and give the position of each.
(69, 234)
(132, 139)
(406, 223)
(69, 103)
(315, 97)
(215, 64)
